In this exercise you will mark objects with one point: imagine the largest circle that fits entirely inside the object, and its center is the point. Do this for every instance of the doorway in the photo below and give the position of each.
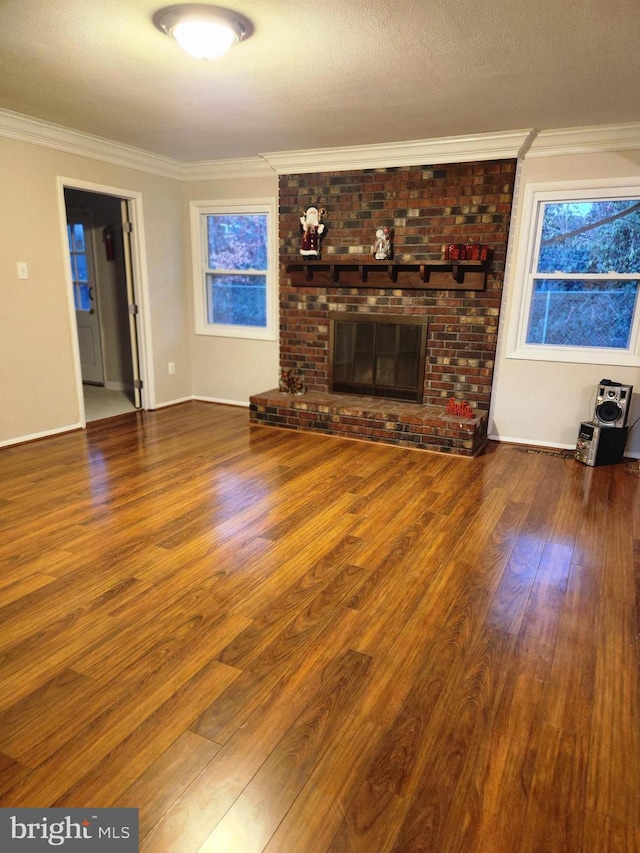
(85, 294)
(104, 299)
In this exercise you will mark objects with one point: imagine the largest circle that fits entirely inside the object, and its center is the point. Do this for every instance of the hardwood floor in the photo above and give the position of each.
(275, 641)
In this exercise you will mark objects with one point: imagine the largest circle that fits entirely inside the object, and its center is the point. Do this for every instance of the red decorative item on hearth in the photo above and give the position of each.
(460, 409)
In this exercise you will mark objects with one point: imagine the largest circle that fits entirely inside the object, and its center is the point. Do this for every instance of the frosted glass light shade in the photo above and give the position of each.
(205, 32)
(204, 39)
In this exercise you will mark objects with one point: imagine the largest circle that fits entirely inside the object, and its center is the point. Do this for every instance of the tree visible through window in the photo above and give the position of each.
(236, 273)
(586, 267)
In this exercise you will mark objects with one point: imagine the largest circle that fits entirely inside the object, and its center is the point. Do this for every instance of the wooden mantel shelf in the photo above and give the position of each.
(425, 275)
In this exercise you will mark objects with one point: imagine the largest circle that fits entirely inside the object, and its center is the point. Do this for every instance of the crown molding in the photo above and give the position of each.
(585, 140)
(454, 149)
(489, 146)
(451, 149)
(212, 170)
(48, 135)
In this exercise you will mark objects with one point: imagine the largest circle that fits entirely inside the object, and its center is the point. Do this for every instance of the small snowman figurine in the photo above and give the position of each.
(382, 245)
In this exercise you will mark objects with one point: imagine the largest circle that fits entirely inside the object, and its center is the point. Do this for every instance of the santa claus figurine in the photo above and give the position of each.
(311, 229)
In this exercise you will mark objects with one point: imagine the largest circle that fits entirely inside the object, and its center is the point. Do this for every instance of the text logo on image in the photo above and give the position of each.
(73, 830)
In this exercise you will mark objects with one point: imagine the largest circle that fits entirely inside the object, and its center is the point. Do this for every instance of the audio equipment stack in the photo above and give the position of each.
(602, 440)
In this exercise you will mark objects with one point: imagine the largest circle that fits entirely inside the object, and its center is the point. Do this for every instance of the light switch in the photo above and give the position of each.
(23, 272)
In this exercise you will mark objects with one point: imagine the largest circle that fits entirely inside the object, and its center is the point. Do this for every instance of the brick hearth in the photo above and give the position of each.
(423, 427)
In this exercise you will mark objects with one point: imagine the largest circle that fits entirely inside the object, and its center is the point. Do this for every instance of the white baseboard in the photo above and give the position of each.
(201, 399)
(173, 402)
(243, 403)
(36, 435)
(532, 442)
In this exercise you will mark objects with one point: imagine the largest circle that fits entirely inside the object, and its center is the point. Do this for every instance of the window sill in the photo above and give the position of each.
(240, 332)
(574, 355)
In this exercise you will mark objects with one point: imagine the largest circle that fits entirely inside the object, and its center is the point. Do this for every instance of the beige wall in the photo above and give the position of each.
(38, 370)
(533, 402)
(229, 369)
(540, 402)
(38, 378)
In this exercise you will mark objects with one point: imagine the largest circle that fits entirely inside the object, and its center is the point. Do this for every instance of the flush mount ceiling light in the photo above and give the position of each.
(205, 32)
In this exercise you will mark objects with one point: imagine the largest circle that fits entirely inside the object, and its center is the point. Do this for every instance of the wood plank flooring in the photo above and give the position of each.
(276, 641)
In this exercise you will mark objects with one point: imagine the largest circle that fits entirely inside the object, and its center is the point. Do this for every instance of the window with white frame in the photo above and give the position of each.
(234, 252)
(579, 275)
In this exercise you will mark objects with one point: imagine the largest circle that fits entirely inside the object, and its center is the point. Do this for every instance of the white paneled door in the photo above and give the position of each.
(85, 299)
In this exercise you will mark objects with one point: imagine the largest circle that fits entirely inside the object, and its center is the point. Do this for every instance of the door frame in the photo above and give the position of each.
(140, 277)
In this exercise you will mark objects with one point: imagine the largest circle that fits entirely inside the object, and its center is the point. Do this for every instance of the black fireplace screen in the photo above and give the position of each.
(381, 355)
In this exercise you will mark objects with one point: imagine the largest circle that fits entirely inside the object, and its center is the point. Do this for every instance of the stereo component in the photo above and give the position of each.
(598, 445)
(612, 404)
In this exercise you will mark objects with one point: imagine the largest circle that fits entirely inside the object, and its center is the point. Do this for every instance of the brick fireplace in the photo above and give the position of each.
(426, 207)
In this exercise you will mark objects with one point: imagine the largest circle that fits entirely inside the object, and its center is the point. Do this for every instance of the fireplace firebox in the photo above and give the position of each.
(379, 355)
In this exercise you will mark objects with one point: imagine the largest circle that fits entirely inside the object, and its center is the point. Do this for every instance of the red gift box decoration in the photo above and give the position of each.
(466, 252)
(454, 252)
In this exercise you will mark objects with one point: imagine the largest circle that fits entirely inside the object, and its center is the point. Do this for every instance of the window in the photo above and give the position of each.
(79, 267)
(234, 253)
(580, 275)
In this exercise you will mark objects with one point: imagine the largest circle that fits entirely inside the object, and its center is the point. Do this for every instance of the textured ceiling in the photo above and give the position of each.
(324, 74)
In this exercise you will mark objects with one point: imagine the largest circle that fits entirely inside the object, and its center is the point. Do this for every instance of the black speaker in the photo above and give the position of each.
(612, 404)
(598, 445)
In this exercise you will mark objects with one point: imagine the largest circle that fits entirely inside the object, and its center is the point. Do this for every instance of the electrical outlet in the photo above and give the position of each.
(172, 367)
